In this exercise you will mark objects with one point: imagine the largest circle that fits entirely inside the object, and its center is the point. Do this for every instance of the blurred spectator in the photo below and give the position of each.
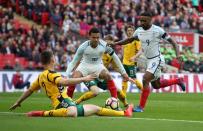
(30, 66)
(8, 65)
(17, 65)
(18, 82)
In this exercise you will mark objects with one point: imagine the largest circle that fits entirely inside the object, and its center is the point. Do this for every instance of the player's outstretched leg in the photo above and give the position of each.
(138, 84)
(122, 98)
(143, 100)
(178, 81)
(62, 112)
(86, 96)
(110, 112)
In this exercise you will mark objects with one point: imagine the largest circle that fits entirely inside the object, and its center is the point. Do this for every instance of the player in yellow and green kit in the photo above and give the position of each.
(130, 52)
(63, 106)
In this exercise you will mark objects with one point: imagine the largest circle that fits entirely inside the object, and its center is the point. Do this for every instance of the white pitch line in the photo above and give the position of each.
(158, 119)
(148, 119)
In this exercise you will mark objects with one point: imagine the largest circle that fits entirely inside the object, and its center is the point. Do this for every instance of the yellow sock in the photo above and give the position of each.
(110, 112)
(57, 113)
(85, 96)
(122, 98)
(138, 84)
(124, 87)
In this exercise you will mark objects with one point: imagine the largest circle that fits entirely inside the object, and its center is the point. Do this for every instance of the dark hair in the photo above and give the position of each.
(146, 14)
(129, 26)
(46, 57)
(93, 30)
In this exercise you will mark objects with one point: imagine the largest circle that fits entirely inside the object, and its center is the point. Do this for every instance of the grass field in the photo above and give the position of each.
(164, 112)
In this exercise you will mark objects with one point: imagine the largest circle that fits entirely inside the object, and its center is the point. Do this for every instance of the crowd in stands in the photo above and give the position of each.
(61, 17)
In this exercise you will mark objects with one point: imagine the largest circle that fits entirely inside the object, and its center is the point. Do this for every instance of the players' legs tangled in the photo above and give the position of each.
(94, 91)
(71, 88)
(105, 75)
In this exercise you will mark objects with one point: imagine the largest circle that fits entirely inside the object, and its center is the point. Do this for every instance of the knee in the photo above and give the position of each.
(155, 85)
(108, 77)
(95, 91)
(72, 111)
(145, 82)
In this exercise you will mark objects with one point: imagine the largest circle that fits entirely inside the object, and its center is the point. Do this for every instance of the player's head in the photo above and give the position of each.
(108, 37)
(47, 57)
(129, 29)
(145, 19)
(94, 35)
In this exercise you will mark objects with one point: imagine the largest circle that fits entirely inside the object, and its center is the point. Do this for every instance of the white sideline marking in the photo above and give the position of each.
(148, 119)
(158, 119)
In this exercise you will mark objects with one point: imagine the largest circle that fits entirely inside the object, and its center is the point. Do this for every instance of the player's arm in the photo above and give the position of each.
(77, 57)
(34, 86)
(72, 81)
(116, 59)
(24, 96)
(134, 58)
(126, 41)
(175, 46)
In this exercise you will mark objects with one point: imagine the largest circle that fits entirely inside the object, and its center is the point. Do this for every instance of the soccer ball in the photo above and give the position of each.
(112, 103)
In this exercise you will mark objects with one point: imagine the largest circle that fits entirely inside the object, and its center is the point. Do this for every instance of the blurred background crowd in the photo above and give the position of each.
(62, 25)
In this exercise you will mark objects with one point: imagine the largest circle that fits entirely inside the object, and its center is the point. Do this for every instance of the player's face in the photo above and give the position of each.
(94, 38)
(145, 22)
(53, 60)
(130, 32)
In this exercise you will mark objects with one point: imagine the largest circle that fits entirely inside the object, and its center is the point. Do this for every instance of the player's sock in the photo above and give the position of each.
(112, 88)
(124, 87)
(85, 96)
(122, 98)
(144, 96)
(165, 82)
(70, 90)
(62, 112)
(138, 84)
(110, 112)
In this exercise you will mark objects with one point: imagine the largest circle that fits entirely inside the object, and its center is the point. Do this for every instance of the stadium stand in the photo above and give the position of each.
(108, 16)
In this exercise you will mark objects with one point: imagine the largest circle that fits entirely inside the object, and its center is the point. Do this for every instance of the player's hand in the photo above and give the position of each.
(131, 80)
(133, 59)
(90, 77)
(14, 106)
(125, 77)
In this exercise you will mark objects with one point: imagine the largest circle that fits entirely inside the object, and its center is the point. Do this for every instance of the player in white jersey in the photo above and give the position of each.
(150, 36)
(90, 53)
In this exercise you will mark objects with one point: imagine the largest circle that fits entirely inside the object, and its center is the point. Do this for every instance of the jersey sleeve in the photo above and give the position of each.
(35, 85)
(109, 50)
(76, 58)
(54, 77)
(163, 34)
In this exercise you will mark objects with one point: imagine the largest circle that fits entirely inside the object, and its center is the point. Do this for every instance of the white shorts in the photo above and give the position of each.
(87, 69)
(155, 65)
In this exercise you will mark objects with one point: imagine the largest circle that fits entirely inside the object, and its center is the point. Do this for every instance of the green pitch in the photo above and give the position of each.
(164, 112)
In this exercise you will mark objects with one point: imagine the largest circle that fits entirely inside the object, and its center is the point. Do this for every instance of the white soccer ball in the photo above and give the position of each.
(112, 103)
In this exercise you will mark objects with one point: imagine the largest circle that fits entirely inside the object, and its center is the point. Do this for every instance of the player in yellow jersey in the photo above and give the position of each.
(63, 105)
(131, 51)
(97, 84)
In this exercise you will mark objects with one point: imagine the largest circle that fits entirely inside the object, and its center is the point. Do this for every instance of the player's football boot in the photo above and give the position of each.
(129, 111)
(35, 113)
(138, 109)
(182, 84)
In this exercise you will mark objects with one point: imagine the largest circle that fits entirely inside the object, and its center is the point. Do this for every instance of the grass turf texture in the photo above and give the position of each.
(166, 112)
